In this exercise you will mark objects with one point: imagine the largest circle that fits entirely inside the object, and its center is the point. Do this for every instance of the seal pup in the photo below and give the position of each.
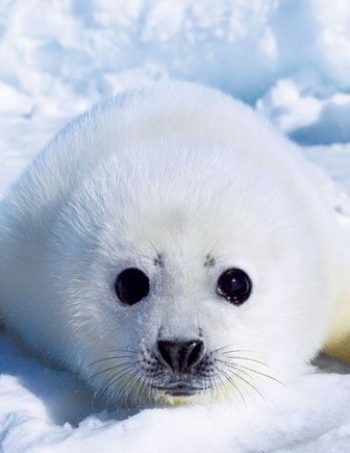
(170, 246)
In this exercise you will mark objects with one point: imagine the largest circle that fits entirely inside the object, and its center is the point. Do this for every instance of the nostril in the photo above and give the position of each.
(166, 351)
(196, 353)
(181, 355)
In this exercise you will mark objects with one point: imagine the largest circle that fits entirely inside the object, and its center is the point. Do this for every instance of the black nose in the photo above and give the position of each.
(181, 355)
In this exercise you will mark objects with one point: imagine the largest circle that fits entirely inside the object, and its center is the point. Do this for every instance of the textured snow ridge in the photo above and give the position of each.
(288, 58)
(291, 57)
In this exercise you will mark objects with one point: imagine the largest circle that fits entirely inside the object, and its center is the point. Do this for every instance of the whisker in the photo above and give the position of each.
(231, 351)
(243, 358)
(120, 373)
(138, 387)
(222, 380)
(105, 385)
(268, 376)
(153, 393)
(130, 385)
(222, 256)
(213, 247)
(250, 384)
(111, 381)
(153, 246)
(235, 386)
(141, 387)
(234, 351)
(124, 380)
(239, 366)
(104, 359)
(118, 365)
(121, 350)
(140, 255)
(126, 353)
(221, 348)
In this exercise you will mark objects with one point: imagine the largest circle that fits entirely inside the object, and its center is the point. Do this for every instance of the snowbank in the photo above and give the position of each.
(291, 57)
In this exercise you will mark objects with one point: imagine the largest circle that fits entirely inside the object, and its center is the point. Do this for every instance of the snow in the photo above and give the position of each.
(288, 58)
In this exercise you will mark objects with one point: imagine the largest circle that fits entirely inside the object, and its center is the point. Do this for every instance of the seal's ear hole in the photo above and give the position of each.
(131, 286)
(234, 285)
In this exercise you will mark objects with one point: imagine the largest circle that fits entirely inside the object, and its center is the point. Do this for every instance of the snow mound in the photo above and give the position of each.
(60, 57)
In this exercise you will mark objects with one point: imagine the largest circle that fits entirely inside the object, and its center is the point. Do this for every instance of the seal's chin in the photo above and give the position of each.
(180, 389)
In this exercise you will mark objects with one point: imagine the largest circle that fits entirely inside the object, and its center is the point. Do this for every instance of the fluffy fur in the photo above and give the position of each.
(160, 179)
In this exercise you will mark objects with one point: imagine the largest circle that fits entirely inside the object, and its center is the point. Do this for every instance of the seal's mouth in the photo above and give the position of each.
(180, 389)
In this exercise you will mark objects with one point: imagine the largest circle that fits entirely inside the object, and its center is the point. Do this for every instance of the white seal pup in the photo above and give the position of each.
(170, 246)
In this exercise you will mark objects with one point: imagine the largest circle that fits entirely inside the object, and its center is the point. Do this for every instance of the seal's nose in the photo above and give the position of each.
(181, 355)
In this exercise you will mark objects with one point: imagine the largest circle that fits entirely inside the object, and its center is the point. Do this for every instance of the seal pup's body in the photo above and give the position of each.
(178, 183)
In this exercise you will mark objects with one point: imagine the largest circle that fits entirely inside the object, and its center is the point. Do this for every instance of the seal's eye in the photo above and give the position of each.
(235, 285)
(131, 286)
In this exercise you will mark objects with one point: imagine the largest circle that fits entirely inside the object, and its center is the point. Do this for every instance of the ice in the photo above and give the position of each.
(288, 58)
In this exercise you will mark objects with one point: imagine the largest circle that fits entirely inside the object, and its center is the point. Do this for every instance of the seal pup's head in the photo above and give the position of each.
(185, 258)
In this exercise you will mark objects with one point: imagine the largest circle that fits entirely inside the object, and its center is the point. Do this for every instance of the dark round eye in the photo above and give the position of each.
(131, 286)
(235, 285)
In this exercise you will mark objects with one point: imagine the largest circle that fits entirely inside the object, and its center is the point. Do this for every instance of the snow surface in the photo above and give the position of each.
(288, 58)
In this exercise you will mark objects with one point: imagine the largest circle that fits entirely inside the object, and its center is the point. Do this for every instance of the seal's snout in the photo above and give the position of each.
(181, 355)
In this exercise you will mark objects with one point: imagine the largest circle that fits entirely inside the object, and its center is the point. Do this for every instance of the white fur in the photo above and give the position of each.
(187, 170)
